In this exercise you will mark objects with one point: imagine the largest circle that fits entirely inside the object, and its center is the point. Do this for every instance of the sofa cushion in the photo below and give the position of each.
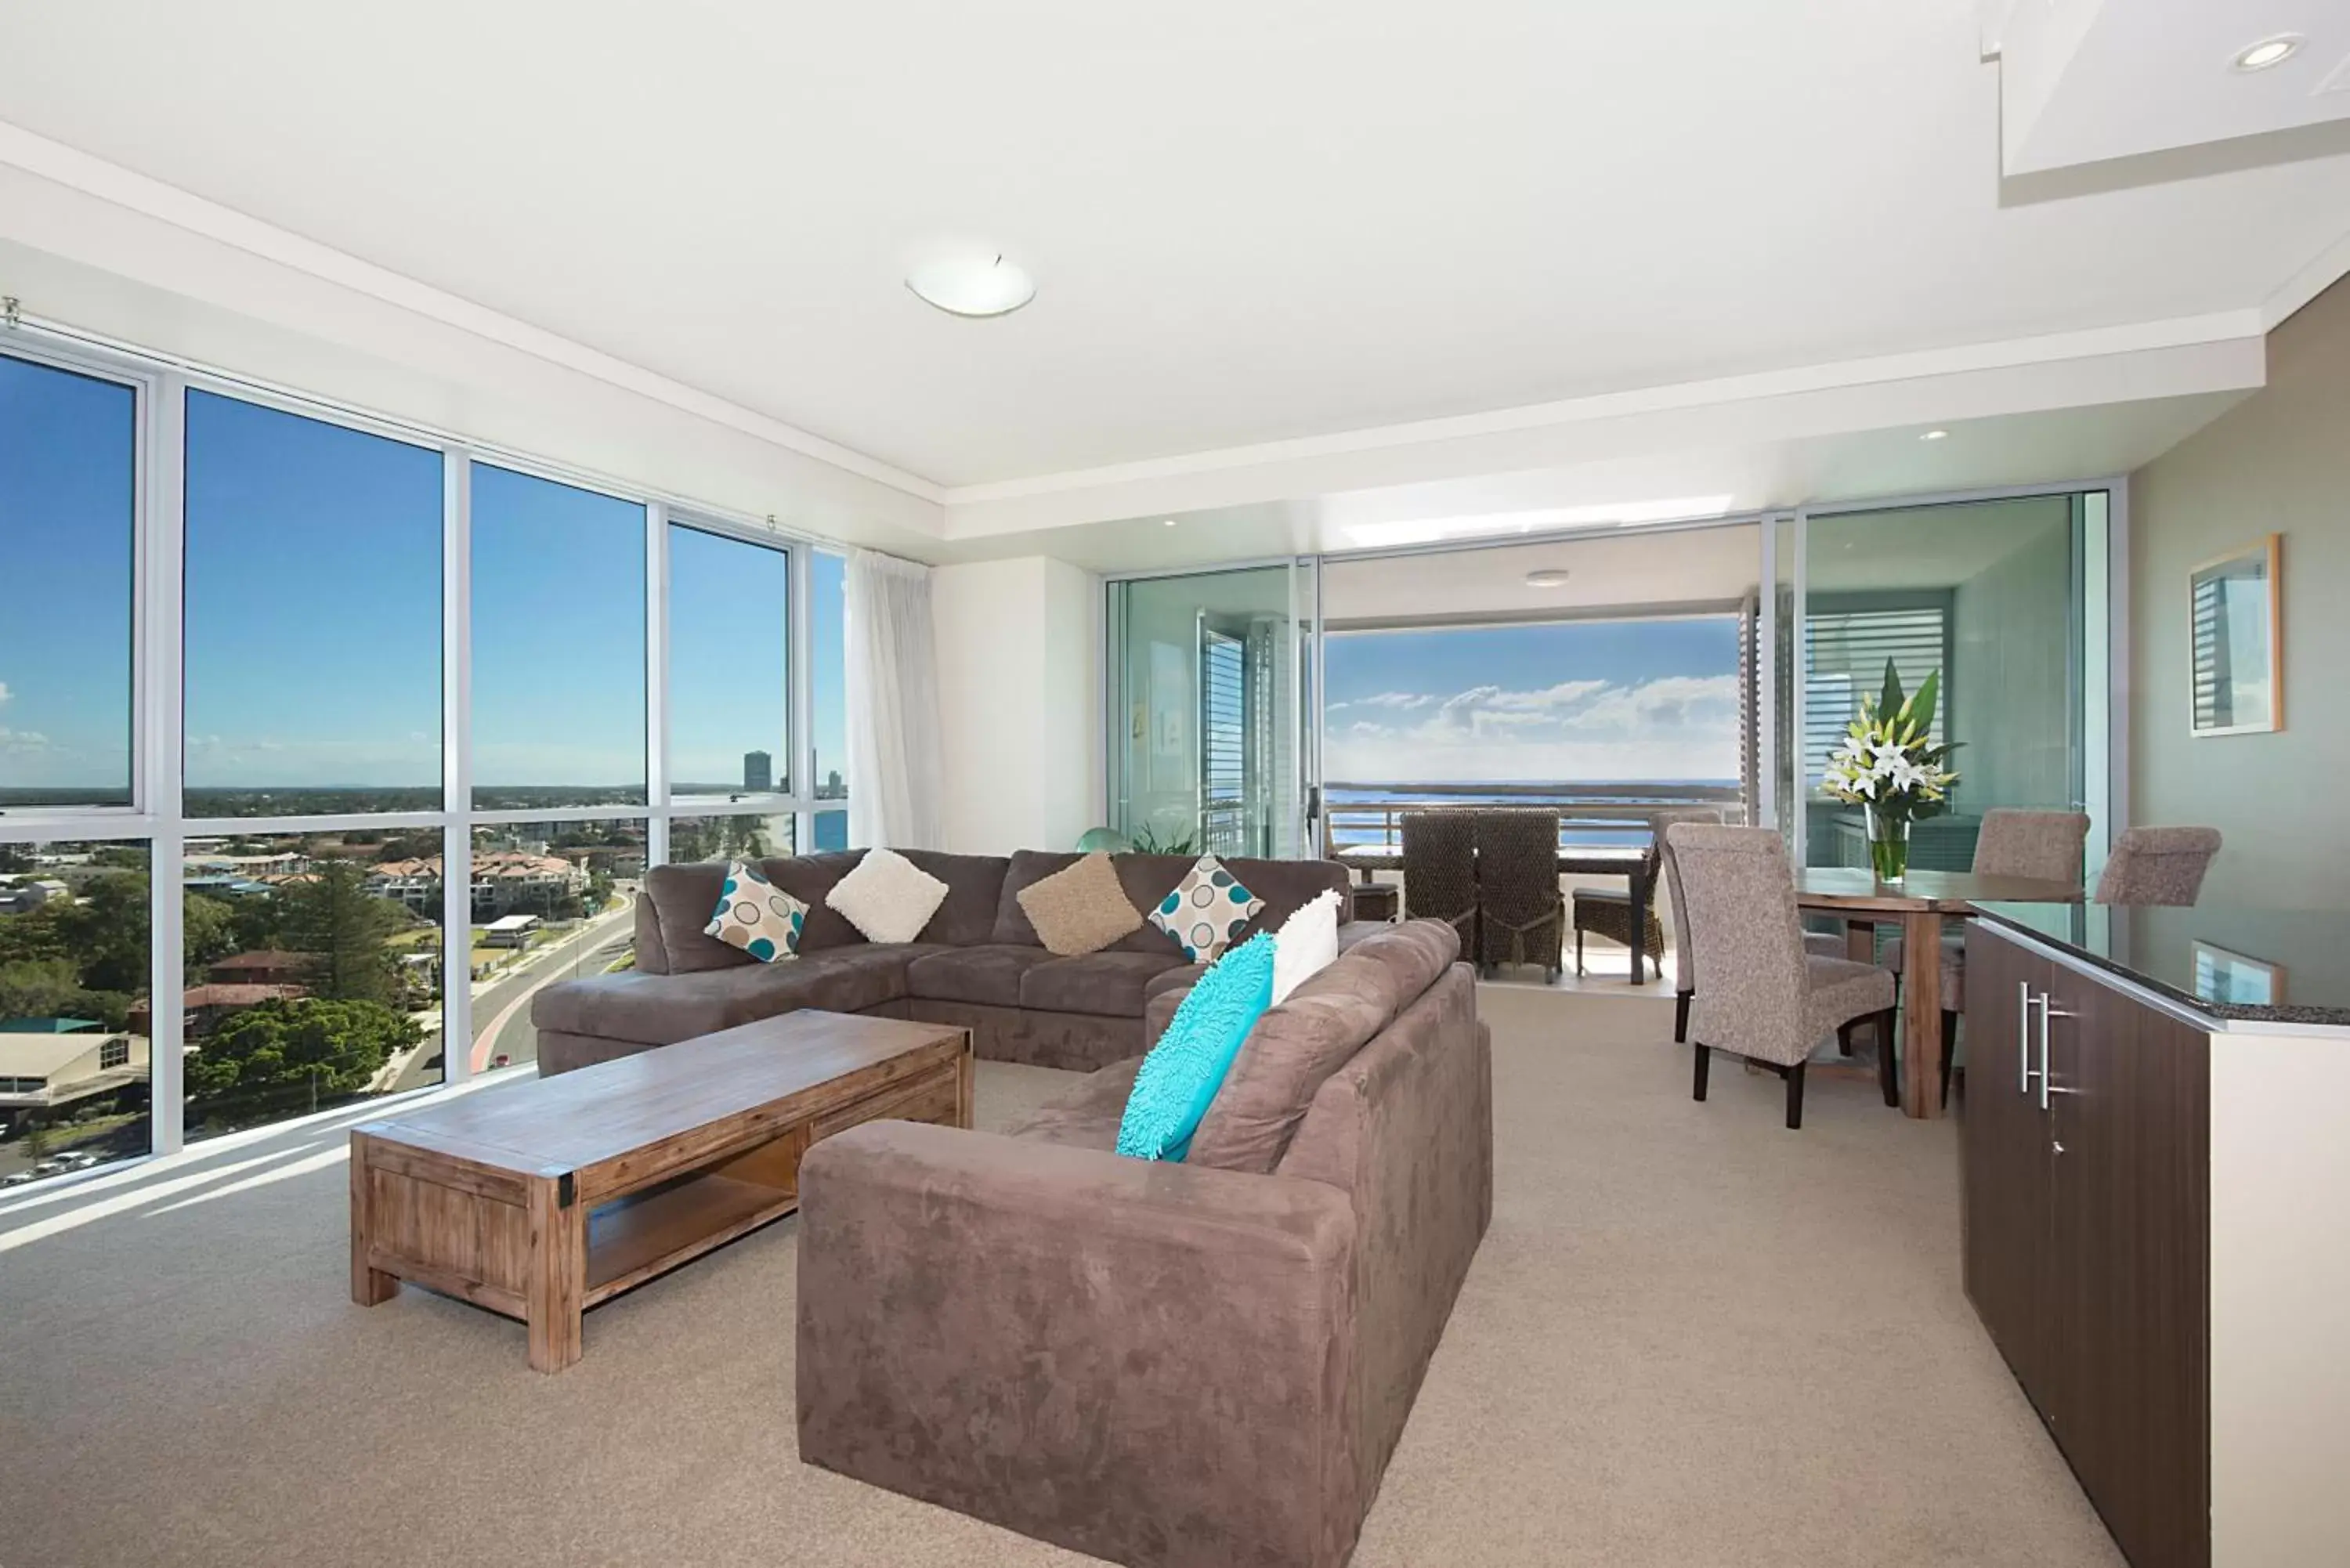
(975, 885)
(1110, 983)
(888, 897)
(1306, 943)
(1079, 909)
(682, 896)
(756, 916)
(988, 973)
(1299, 1043)
(809, 879)
(1180, 1077)
(1207, 910)
(1086, 1116)
(662, 1009)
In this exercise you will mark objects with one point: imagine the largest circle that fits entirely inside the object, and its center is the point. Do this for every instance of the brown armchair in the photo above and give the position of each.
(1521, 914)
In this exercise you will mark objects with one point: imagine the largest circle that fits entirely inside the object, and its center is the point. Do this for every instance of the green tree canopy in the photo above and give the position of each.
(268, 1056)
(333, 917)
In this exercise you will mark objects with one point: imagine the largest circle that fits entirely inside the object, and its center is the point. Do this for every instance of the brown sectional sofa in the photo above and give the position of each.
(978, 963)
(1170, 1366)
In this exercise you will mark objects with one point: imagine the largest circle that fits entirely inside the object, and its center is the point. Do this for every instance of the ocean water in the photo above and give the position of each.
(1344, 831)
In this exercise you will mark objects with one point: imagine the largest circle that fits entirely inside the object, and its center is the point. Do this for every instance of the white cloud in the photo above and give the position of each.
(5, 692)
(17, 743)
(1400, 700)
(1672, 728)
(1671, 703)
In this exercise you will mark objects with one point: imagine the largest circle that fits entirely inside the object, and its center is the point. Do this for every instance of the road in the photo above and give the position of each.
(503, 1006)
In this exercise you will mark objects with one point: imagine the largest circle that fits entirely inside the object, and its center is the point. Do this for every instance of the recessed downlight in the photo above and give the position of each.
(1935, 435)
(1170, 522)
(972, 280)
(1547, 578)
(2268, 52)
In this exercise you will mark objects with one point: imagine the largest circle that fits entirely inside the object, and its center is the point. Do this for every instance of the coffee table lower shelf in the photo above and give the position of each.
(541, 1241)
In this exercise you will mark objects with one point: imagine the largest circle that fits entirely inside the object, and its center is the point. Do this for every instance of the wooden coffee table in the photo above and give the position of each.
(541, 1199)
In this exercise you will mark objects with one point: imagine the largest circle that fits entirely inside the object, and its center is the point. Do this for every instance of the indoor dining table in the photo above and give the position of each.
(1919, 904)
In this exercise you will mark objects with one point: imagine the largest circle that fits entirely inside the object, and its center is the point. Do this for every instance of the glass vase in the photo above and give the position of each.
(1888, 846)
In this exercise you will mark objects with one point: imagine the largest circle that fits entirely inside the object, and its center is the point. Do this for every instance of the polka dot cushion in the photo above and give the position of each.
(756, 916)
(1206, 911)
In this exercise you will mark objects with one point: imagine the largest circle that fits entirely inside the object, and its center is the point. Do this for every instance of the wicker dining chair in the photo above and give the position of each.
(2157, 864)
(1440, 870)
(1765, 999)
(2046, 845)
(1608, 912)
(1521, 914)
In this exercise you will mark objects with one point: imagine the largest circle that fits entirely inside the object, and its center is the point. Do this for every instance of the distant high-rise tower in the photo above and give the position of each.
(758, 771)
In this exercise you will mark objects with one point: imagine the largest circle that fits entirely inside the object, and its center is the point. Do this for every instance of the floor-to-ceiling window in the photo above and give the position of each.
(325, 744)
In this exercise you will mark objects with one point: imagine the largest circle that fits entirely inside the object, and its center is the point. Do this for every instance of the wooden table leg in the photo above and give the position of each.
(1921, 1014)
(556, 1274)
(369, 1286)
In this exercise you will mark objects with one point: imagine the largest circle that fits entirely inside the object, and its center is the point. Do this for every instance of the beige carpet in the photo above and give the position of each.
(1691, 1338)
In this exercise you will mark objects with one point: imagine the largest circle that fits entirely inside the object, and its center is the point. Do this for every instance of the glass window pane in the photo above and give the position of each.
(314, 971)
(552, 901)
(73, 1006)
(312, 619)
(692, 838)
(558, 601)
(831, 830)
(68, 515)
(828, 672)
(729, 668)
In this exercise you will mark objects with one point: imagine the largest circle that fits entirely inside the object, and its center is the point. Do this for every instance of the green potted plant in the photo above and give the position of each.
(1889, 765)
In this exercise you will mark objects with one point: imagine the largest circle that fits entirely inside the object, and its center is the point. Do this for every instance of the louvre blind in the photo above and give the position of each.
(1223, 800)
(1844, 659)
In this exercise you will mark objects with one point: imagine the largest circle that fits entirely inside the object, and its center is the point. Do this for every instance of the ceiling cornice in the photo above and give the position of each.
(125, 188)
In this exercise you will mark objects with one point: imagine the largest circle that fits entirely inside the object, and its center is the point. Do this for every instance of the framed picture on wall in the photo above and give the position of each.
(2236, 634)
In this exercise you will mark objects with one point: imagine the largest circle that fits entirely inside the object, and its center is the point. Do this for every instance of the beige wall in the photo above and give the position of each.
(2277, 463)
(1019, 648)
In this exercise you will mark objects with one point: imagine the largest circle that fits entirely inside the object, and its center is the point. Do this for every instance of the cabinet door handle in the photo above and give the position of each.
(2023, 1037)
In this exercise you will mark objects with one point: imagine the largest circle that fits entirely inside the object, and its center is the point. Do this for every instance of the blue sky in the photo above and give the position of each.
(66, 517)
(1573, 700)
(313, 612)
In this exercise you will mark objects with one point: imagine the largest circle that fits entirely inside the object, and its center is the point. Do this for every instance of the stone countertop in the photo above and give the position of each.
(2231, 964)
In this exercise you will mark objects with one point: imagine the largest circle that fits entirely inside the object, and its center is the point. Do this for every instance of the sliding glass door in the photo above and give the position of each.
(1206, 751)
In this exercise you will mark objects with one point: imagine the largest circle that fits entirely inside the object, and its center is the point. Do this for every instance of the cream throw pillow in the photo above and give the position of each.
(1306, 943)
(888, 897)
(1081, 908)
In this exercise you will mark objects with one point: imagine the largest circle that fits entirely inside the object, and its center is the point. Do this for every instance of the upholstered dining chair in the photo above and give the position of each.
(2157, 864)
(1440, 870)
(1764, 997)
(1825, 944)
(1521, 914)
(2045, 845)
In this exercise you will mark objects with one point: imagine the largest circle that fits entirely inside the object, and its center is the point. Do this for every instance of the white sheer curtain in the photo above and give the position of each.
(894, 773)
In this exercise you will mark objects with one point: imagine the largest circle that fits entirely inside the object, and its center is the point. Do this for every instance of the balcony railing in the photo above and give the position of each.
(1358, 814)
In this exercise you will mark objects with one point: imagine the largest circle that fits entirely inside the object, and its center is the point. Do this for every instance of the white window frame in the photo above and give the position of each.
(157, 812)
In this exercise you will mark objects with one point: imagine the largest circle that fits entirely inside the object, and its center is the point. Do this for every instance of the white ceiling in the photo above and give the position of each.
(1250, 224)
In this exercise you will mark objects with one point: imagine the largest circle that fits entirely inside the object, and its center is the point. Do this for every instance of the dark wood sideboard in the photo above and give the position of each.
(2086, 1144)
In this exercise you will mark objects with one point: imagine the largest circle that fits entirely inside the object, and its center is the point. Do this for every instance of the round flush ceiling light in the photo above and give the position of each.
(2268, 52)
(965, 280)
(1935, 435)
(1547, 578)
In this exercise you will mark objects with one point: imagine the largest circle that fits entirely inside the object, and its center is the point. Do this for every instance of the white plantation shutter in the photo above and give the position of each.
(1843, 661)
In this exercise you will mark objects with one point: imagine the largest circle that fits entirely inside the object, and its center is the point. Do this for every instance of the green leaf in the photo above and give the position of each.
(1928, 690)
(1890, 702)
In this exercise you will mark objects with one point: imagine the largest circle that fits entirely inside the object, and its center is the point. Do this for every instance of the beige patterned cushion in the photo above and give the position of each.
(756, 916)
(1080, 910)
(1206, 911)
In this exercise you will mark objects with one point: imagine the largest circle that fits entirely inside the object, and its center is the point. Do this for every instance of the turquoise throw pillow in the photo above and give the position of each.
(1179, 1078)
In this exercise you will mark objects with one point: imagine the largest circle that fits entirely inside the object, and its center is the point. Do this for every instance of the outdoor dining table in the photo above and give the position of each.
(1626, 861)
(1919, 904)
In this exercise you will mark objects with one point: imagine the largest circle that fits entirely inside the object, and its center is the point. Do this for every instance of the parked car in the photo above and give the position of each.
(18, 1178)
